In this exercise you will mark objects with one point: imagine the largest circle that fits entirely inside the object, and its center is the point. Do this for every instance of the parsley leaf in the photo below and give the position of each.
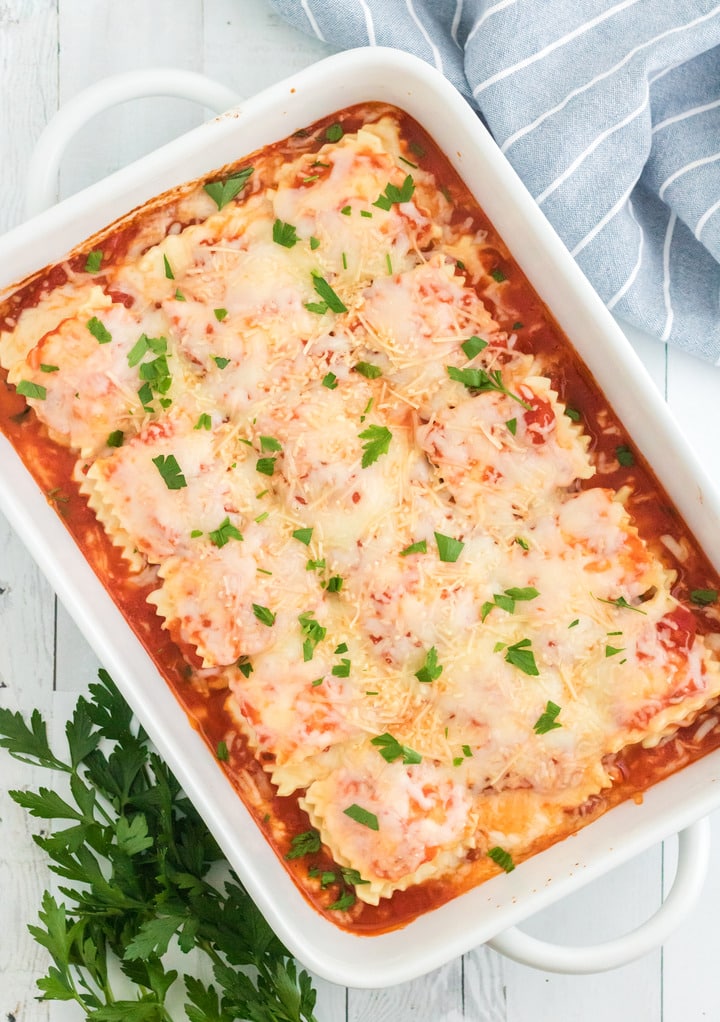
(393, 194)
(284, 234)
(29, 389)
(99, 331)
(502, 858)
(431, 669)
(415, 548)
(224, 533)
(362, 816)
(222, 192)
(93, 261)
(391, 749)
(521, 656)
(480, 381)
(263, 615)
(449, 549)
(368, 370)
(307, 843)
(377, 442)
(171, 472)
(126, 903)
(331, 300)
(547, 721)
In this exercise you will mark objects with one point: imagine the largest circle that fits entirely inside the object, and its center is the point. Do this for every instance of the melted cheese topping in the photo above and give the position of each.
(371, 530)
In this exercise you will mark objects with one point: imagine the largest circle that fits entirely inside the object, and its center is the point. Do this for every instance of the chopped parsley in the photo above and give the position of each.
(168, 268)
(29, 389)
(307, 843)
(45, 368)
(171, 472)
(520, 655)
(507, 600)
(480, 381)
(313, 632)
(393, 194)
(269, 443)
(314, 243)
(377, 442)
(334, 132)
(330, 299)
(157, 345)
(224, 533)
(220, 361)
(334, 584)
(613, 650)
(222, 192)
(473, 346)
(116, 438)
(501, 858)
(220, 314)
(284, 234)
(329, 380)
(265, 466)
(368, 370)
(264, 616)
(431, 669)
(204, 422)
(93, 261)
(703, 597)
(512, 426)
(622, 604)
(415, 548)
(99, 331)
(547, 721)
(449, 549)
(222, 752)
(390, 749)
(498, 276)
(624, 455)
(245, 667)
(572, 413)
(303, 535)
(362, 816)
(342, 670)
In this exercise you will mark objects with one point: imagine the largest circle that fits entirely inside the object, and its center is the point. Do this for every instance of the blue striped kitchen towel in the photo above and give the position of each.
(610, 113)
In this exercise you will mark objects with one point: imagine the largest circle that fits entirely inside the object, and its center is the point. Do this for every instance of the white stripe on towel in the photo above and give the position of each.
(486, 14)
(428, 40)
(705, 217)
(370, 27)
(686, 113)
(636, 268)
(666, 277)
(313, 23)
(685, 170)
(605, 74)
(598, 140)
(604, 222)
(580, 30)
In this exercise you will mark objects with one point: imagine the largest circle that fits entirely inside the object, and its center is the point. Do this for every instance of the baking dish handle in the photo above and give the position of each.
(45, 161)
(692, 866)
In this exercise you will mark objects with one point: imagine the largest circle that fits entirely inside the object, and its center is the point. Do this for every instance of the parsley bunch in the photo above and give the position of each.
(136, 857)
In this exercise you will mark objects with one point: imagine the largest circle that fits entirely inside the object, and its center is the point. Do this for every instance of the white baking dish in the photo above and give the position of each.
(486, 913)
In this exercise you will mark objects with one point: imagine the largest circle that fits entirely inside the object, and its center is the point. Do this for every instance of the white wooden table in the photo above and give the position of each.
(49, 49)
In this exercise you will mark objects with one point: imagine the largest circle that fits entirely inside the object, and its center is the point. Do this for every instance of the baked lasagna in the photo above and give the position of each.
(423, 598)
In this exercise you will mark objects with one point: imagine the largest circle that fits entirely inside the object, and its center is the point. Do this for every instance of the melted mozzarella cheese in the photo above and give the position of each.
(359, 543)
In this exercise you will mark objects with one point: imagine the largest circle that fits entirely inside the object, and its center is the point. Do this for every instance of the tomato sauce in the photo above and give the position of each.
(518, 310)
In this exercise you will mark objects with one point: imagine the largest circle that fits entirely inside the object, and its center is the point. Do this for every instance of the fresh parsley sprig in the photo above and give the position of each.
(134, 858)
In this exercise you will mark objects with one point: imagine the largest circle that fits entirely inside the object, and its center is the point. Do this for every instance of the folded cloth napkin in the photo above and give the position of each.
(609, 112)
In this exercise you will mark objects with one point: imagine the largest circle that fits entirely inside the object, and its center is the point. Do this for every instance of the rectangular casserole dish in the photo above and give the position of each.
(477, 916)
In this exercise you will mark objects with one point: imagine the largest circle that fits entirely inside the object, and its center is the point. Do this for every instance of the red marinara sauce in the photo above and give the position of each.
(518, 310)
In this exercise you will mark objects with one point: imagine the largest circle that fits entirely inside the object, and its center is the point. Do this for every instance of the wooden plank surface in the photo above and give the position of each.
(49, 49)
